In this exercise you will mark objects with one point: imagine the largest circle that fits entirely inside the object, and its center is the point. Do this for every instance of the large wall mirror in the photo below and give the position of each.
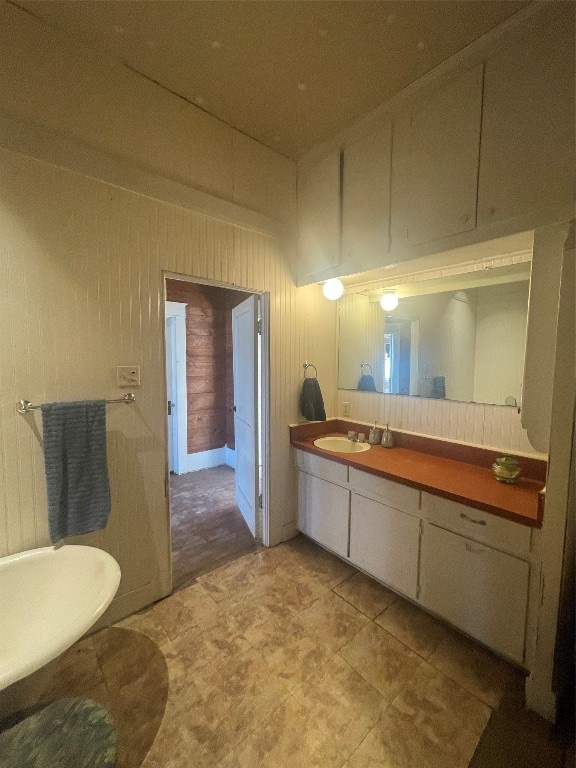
(460, 337)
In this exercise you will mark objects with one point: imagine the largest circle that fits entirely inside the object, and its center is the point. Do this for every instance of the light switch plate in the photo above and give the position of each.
(128, 375)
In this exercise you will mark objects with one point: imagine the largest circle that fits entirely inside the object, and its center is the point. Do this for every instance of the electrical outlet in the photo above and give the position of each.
(345, 409)
(128, 375)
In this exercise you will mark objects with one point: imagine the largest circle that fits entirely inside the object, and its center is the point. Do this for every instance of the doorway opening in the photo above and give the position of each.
(217, 416)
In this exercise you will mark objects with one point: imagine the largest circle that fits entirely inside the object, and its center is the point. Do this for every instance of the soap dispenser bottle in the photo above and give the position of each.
(387, 439)
(374, 435)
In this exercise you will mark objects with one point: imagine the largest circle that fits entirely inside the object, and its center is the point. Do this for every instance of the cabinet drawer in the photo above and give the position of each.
(393, 494)
(478, 589)
(479, 525)
(324, 468)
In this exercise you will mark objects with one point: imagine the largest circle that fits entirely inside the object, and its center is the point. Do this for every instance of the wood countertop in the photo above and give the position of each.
(459, 481)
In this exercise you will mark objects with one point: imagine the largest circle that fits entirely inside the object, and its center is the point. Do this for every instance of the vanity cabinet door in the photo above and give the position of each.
(478, 589)
(443, 152)
(384, 543)
(323, 512)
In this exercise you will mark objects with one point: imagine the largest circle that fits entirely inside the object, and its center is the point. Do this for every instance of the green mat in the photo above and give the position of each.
(69, 733)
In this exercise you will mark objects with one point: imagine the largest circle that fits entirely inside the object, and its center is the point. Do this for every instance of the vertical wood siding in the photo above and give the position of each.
(81, 291)
(208, 362)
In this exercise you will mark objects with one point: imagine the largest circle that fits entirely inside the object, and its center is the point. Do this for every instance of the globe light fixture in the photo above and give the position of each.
(333, 289)
(389, 301)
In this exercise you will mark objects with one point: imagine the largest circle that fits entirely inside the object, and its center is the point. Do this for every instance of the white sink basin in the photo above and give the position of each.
(340, 445)
(48, 599)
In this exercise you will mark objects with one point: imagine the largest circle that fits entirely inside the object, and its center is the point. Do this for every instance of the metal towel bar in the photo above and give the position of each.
(309, 365)
(23, 406)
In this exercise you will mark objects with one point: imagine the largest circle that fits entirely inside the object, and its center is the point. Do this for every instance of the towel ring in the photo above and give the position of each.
(309, 365)
(362, 366)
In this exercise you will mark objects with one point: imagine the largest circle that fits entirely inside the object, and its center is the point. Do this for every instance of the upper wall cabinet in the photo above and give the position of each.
(487, 153)
(442, 162)
(319, 219)
(366, 200)
(527, 161)
(344, 209)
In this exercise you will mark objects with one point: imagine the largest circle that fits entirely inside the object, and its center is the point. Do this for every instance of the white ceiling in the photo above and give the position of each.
(288, 73)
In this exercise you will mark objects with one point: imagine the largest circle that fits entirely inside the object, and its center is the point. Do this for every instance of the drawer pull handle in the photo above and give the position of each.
(464, 516)
(475, 550)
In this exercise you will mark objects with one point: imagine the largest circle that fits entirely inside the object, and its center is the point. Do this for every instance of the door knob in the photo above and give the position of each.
(170, 406)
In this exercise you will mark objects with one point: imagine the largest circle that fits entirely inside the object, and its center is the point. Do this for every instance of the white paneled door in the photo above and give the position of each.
(171, 394)
(176, 386)
(246, 428)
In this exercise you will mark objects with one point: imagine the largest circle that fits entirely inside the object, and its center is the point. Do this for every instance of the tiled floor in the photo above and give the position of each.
(288, 657)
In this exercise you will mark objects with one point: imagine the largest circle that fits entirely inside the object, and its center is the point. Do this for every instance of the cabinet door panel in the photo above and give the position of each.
(476, 588)
(384, 542)
(319, 218)
(323, 512)
(443, 160)
(366, 200)
(528, 157)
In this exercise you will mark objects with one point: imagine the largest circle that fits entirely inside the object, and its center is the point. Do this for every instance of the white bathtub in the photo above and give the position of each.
(48, 599)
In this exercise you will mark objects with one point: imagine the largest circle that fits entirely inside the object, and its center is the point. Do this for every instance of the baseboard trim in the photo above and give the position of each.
(541, 698)
(230, 457)
(205, 459)
(288, 531)
(127, 604)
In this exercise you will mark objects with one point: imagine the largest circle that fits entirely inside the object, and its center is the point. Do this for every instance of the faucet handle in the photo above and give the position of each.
(352, 435)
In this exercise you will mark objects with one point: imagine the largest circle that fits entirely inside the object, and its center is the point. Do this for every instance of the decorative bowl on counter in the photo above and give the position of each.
(506, 469)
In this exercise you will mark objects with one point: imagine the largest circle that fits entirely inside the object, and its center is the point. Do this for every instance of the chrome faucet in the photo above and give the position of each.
(352, 436)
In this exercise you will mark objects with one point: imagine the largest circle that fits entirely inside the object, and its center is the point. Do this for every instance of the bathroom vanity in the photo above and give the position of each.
(439, 530)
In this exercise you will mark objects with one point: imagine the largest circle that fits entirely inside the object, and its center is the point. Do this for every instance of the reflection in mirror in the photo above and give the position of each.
(466, 343)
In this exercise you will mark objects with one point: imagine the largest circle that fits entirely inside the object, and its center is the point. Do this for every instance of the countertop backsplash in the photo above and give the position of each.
(491, 426)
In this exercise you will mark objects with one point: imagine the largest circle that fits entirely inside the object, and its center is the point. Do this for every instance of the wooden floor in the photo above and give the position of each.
(207, 527)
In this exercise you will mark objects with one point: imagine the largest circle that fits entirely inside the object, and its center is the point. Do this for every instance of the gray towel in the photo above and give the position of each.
(367, 383)
(311, 401)
(76, 467)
